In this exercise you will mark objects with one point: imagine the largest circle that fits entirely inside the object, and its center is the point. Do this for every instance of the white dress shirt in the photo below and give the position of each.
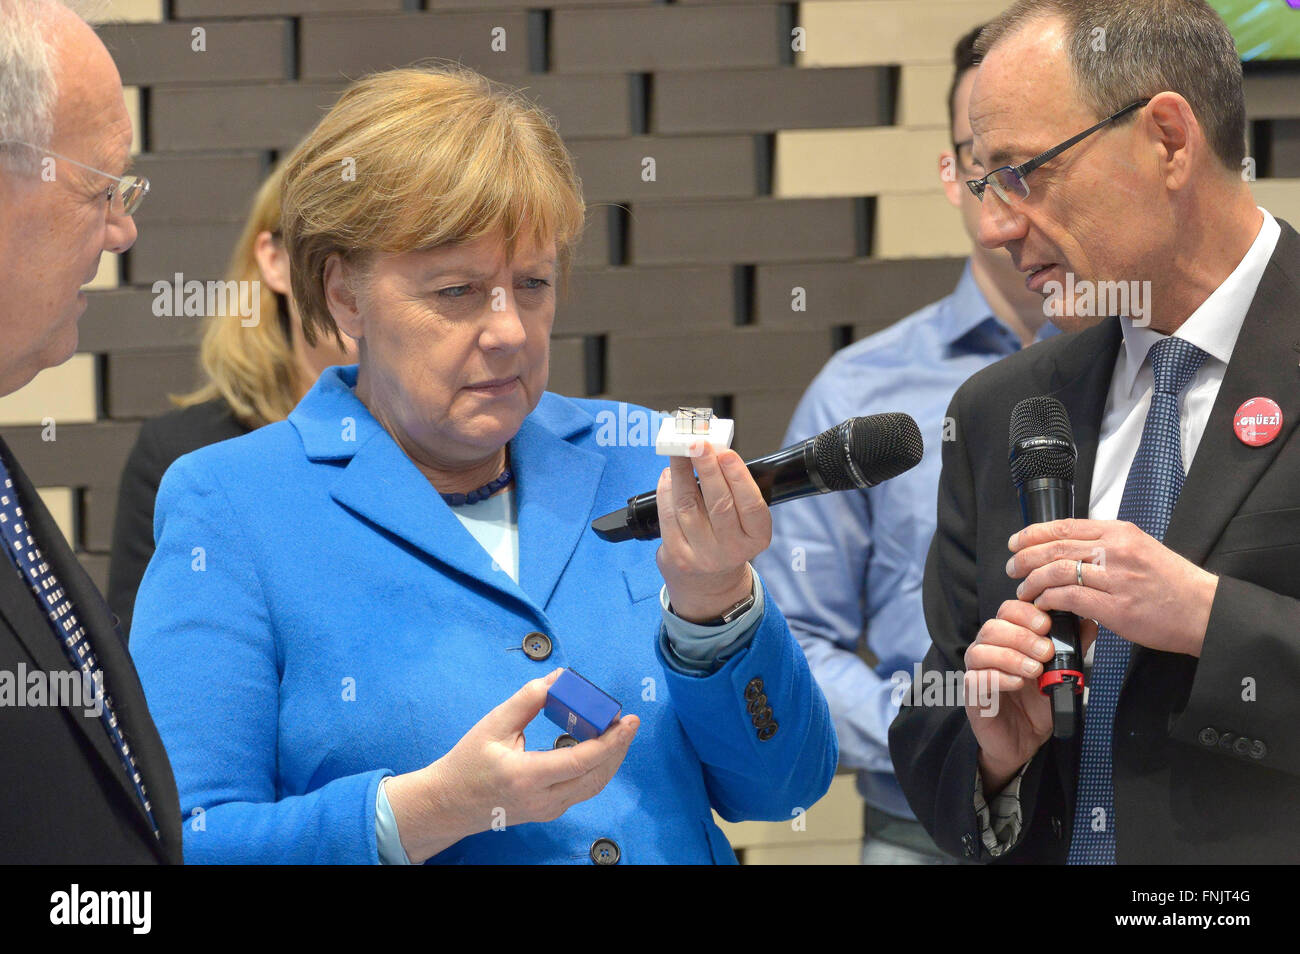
(1213, 327)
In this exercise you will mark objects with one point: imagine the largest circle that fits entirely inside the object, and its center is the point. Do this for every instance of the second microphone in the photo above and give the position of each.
(856, 454)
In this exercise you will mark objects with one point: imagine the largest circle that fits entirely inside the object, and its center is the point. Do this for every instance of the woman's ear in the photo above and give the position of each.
(341, 298)
(272, 262)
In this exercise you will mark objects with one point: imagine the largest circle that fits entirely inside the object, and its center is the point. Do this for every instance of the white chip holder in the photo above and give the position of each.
(691, 424)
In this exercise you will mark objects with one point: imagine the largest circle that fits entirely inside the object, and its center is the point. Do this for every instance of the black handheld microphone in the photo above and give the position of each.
(1042, 465)
(857, 454)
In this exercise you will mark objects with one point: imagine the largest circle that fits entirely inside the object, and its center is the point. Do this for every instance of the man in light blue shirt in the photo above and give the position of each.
(846, 568)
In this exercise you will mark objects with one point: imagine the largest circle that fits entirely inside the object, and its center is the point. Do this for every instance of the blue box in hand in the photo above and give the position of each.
(579, 708)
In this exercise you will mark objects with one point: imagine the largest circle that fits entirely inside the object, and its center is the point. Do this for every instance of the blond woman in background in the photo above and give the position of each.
(252, 376)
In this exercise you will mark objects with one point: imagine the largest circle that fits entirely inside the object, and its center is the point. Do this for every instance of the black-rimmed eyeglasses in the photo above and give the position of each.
(1009, 181)
(125, 197)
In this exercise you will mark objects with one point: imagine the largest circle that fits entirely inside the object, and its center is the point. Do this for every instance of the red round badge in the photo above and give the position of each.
(1257, 421)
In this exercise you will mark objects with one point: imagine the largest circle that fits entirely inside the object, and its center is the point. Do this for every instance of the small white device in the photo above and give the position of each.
(691, 424)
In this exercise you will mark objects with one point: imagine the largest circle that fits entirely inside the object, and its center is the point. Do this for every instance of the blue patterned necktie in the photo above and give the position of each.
(62, 616)
(1150, 492)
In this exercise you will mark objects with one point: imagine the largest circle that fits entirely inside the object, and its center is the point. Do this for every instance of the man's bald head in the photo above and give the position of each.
(28, 86)
(60, 96)
(51, 62)
(90, 109)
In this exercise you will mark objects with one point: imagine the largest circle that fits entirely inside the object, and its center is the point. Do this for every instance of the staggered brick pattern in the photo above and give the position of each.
(774, 170)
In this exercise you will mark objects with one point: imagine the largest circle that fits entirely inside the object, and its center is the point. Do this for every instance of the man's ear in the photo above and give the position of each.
(950, 178)
(1179, 138)
(340, 296)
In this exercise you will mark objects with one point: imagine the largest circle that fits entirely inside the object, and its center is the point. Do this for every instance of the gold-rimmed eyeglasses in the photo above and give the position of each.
(125, 196)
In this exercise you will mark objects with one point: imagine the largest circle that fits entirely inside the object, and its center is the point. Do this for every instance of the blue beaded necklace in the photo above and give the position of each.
(483, 493)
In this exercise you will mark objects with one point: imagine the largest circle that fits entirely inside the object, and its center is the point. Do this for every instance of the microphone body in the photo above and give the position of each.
(788, 474)
(1043, 468)
(858, 453)
(1042, 500)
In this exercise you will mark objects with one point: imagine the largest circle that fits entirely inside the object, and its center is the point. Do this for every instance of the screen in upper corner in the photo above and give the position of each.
(1263, 29)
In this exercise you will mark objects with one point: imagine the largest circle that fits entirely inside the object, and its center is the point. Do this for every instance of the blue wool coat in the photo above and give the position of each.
(315, 618)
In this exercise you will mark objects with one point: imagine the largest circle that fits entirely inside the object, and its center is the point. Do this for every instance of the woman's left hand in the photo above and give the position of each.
(710, 532)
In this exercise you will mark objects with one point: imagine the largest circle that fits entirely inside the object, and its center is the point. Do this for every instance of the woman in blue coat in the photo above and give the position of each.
(350, 623)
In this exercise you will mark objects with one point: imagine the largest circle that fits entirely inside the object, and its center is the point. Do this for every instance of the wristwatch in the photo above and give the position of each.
(730, 616)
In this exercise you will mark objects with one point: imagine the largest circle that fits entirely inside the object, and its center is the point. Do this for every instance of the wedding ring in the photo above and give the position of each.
(1078, 571)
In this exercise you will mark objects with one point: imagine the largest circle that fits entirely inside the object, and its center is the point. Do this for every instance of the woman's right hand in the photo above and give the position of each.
(488, 777)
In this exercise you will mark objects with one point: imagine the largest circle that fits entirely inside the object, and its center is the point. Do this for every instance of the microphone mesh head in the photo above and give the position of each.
(881, 446)
(1042, 442)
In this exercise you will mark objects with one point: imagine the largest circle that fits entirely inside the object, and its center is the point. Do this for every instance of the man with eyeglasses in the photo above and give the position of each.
(1114, 136)
(86, 779)
(846, 568)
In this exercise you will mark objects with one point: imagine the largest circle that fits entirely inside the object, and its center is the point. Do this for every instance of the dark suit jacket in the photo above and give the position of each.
(1201, 773)
(64, 794)
(161, 441)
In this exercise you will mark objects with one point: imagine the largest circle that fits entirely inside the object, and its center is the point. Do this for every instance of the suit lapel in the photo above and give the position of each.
(1080, 379)
(17, 604)
(557, 484)
(385, 487)
(1264, 363)
(121, 682)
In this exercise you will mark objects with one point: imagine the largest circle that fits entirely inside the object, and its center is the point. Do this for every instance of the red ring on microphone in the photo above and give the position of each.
(1056, 677)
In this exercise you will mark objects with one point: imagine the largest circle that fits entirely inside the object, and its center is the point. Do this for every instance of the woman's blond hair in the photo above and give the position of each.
(251, 368)
(419, 158)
